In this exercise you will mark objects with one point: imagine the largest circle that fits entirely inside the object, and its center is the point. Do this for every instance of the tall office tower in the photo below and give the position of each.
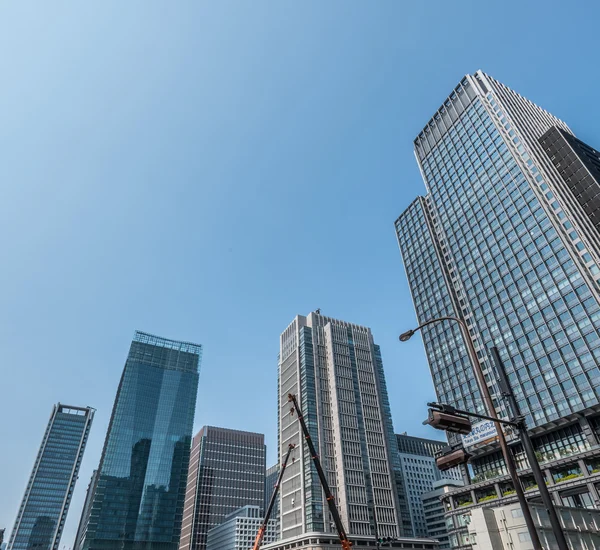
(140, 487)
(227, 472)
(335, 369)
(44, 508)
(419, 473)
(271, 476)
(502, 242)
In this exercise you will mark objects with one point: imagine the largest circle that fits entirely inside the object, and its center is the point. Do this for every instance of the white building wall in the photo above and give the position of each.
(239, 532)
(504, 527)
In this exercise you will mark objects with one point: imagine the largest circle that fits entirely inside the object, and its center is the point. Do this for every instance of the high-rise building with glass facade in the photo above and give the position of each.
(335, 369)
(227, 472)
(43, 511)
(139, 490)
(502, 242)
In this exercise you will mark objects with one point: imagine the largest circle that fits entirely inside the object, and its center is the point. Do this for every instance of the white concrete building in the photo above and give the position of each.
(239, 530)
(419, 473)
(504, 527)
(321, 541)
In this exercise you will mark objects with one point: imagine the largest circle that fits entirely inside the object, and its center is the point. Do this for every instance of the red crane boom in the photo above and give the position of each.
(261, 531)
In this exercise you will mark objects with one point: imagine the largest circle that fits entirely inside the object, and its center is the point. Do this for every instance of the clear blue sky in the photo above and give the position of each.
(206, 171)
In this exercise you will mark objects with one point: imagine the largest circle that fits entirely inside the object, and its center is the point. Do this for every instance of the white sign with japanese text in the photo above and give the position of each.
(482, 432)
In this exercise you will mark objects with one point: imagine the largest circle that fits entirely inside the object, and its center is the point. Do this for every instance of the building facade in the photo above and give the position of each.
(419, 474)
(504, 527)
(502, 242)
(434, 511)
(239, 529)
(579, 167)
(139, 491)
(324, 541)
(336, 371)
(43, 511)
(227, 472)
(271, 476)
(85, 512)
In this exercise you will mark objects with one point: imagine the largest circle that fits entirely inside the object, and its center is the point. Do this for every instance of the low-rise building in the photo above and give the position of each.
(504, 527)
(239, 529)
(329, 541)
(433, 510)
(419, 472)
(572, 477)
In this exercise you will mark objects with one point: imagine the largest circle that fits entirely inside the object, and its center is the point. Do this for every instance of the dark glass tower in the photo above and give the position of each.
(44, 508)
(579, 167)
(227, 471)
(140, 487)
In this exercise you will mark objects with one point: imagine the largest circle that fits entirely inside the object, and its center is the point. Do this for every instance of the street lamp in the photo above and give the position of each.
(406, 336)
(489, 405)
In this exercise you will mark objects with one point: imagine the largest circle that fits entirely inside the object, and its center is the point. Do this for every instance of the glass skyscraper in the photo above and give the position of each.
(335, 369)
(502, 242)
(227, 472)
(44, 508)
(139, 490)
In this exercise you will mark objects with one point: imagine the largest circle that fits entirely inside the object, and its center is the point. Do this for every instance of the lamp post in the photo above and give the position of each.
(528, 448)
(489, 405)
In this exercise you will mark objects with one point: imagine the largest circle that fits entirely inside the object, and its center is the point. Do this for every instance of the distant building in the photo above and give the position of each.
(139, 492)
(85, 512)
(43, 511)
(227, 472)
(419, 473)
(239, 529)
(504, 527)
(330, 541)
(434, 512)
(270, 480)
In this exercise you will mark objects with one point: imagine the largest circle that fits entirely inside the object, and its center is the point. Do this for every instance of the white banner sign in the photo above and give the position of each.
(482, 432)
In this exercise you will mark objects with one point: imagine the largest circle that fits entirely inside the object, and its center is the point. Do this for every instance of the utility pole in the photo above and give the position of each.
(508, 394)
(493, 416)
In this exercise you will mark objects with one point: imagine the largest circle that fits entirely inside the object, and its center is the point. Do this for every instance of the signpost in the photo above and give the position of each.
(483, 432)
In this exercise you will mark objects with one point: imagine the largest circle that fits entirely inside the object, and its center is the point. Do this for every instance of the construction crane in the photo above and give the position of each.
(261, 531)
(337, 520)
